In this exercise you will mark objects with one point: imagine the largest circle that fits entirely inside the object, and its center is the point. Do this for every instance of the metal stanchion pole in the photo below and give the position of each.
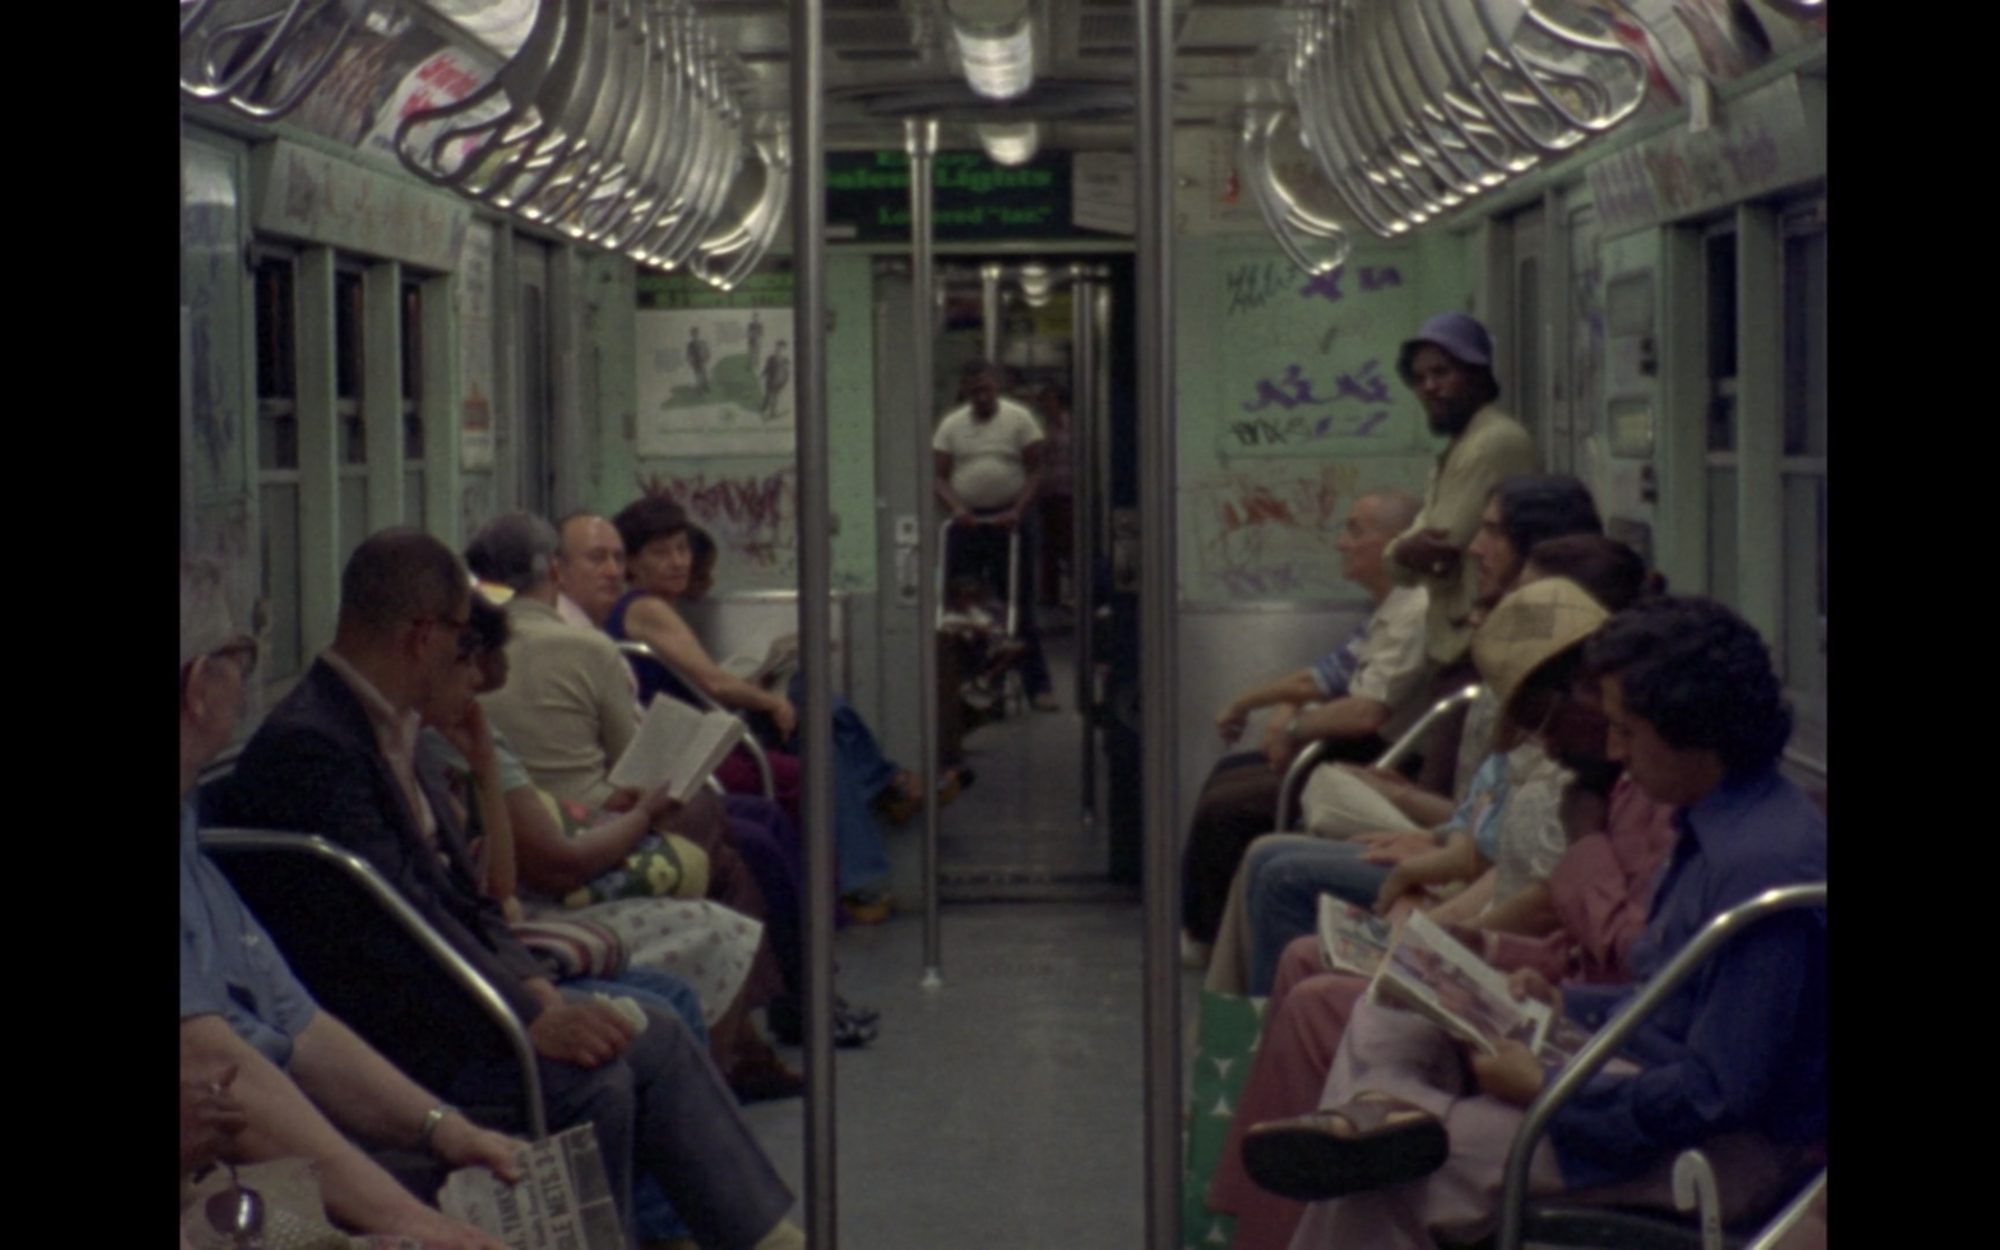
(989, 311)
(815, 549)
(1157, 635)
(1083, 419)
(920, 140)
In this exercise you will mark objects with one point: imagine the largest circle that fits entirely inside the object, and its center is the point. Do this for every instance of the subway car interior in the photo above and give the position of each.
(449, 260)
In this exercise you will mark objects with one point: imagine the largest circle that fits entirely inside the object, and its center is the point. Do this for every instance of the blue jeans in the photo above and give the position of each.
(860, 772)
(653, 1215)
(1282, 894)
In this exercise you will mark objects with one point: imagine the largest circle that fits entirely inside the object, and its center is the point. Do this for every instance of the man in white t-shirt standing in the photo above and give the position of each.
(988, 458)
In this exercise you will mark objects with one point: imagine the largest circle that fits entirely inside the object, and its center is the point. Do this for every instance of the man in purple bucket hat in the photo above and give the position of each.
(1449, 364)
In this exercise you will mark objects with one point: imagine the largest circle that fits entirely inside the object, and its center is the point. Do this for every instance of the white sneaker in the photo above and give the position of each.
(1194, 955)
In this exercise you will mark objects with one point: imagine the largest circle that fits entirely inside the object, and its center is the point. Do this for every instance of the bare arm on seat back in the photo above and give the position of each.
(283, 1123)
(653, 621)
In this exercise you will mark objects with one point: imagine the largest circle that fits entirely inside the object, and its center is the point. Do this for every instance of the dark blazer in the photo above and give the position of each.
(314, 767)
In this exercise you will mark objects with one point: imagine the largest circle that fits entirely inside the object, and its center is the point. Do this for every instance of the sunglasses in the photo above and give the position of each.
(468, 640)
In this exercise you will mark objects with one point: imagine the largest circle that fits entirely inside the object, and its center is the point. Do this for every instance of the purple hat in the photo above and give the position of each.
(1460, 335)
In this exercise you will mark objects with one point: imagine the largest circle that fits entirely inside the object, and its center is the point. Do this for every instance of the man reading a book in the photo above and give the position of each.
(1735, 1063)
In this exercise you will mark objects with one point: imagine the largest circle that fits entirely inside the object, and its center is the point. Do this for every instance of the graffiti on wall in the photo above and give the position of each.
(1268, 529)
(751, 516)
(1308, 361)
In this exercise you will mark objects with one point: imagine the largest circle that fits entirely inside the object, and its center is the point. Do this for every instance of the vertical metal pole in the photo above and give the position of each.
(1083, 506)
(815, 610)
(1159, 568)
(989, 311)
(920, 141)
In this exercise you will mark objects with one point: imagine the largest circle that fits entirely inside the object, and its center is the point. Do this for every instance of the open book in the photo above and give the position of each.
(1351, 939)
(565, 1201)
(1431, 972)
(676, 743)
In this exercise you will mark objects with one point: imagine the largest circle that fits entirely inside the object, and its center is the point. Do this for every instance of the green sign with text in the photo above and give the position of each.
(868, 197)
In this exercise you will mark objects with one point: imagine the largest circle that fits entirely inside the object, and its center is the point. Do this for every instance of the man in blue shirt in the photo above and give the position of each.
(1735, 1062)
(249, 1027)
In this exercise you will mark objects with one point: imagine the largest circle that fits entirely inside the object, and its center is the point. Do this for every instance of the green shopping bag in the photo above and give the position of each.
(1225, 1040)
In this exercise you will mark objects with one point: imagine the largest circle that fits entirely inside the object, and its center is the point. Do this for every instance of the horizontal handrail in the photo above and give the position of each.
(1607, 1041)
(1310, 754)
(399, 909)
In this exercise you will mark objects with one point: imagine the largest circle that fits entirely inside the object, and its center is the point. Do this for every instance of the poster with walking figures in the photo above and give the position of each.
(715, 382)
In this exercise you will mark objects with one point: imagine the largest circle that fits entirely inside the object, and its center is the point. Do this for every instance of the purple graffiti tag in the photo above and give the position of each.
(1325, 285)
(1365, 385)
(1269, 392)
(1373, 421)
(1373, 279)
(1301, 386)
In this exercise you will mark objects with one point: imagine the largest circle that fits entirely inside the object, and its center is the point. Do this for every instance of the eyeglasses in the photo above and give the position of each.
(468, 640)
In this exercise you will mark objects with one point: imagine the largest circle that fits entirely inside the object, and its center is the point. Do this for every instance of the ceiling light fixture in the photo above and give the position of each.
(996, 46)
(1009, 143)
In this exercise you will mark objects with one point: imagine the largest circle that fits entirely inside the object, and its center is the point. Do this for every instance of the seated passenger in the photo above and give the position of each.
(338, 758)
(589, 573)
(249, 1030)
(1344, 800)
(1594, 901)
(1348, 799)
(718, 951)
(655, 534)
(1363, 689)
(1503, 839)
(590, 576)
(1284, 874)
(1735, 1064)
(739, 833)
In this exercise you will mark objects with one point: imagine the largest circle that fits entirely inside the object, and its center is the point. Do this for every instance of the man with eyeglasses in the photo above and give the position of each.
(249, 1030)
(337, 758)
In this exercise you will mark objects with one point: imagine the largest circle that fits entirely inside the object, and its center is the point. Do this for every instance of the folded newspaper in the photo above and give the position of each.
(1431, 972)
(563, 1203)
(776, 662)
(1350, 939)
(676, 743)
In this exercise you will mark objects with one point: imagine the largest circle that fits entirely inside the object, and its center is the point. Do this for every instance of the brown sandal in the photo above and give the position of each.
(1370, 1143)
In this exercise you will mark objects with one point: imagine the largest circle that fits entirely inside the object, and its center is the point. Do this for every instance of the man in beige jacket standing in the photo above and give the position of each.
(1449, 364)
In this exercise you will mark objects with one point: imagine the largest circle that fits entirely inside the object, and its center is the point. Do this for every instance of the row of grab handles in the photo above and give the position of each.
(1410, 108)
(611, 121)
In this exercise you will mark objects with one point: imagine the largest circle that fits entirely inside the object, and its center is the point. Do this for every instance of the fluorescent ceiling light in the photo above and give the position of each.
(1036, 283)
(998, 63)
(1009, 143)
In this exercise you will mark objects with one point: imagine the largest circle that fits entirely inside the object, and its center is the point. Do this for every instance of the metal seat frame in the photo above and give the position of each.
(1309, 755)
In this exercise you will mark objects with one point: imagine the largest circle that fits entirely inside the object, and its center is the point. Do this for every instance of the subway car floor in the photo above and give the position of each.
(1003, 1109)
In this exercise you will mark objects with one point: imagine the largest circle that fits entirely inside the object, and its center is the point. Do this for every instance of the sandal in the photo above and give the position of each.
(1370, 1143)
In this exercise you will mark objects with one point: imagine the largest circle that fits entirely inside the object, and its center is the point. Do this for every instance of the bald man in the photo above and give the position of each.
(1352, 698)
